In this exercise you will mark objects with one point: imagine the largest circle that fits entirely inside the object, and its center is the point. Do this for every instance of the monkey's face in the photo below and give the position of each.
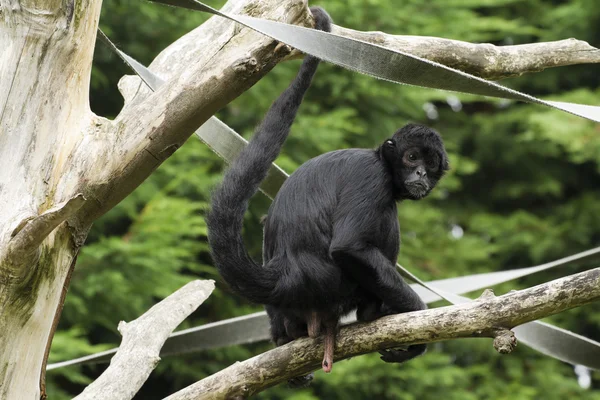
(417, 159)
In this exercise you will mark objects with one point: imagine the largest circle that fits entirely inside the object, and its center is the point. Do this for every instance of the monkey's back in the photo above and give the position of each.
(299, 227)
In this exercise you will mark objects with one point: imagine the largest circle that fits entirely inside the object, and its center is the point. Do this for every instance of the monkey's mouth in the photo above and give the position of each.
(417, 190)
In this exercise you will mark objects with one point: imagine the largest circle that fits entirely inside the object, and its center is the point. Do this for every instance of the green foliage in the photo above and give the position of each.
(523, 189)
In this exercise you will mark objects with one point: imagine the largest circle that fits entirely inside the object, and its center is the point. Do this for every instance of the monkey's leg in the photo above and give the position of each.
(378, 276)
(368, 308)
(297, 328)
(371, 309)
(280, 323)
(313, 323)
(279, 334)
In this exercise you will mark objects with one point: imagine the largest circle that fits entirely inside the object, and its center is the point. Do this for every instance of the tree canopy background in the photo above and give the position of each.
(524, 189)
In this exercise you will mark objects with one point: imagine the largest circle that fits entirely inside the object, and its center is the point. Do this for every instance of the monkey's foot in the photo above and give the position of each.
(400, 355)
(327, 364)
(300, 382)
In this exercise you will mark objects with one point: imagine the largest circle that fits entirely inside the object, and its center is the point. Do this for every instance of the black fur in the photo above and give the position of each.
(331, 237)
(241, 181)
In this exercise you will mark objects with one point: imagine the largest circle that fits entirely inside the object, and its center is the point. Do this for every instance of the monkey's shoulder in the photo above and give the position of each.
(334, 183)
(345, 165)
(346, 174)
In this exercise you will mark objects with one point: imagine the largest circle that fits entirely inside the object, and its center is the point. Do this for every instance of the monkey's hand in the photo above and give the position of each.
(322, 19)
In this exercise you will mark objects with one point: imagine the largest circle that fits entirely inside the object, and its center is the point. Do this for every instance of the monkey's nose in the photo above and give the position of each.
(421, 172)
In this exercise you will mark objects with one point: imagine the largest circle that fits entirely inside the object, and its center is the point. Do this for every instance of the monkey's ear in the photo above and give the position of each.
(446, 164)
(390, 142)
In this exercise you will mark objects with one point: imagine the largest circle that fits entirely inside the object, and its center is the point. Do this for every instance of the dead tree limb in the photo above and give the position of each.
(142, 340)
(488, 316)
(484, 59)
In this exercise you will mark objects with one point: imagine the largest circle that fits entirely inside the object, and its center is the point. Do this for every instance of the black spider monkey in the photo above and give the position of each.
(331, 236)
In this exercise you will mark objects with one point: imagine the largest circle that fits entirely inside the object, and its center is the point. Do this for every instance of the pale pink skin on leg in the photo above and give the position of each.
(313, 324)
(329, 344)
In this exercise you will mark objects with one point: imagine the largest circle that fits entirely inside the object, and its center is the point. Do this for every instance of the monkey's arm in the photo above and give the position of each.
(353, 251)
(363, 244)
(375, 273)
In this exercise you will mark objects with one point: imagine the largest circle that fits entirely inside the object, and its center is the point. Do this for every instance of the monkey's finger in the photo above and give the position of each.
(398, 355)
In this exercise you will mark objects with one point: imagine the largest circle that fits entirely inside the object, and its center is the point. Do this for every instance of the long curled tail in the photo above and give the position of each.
(242, 180)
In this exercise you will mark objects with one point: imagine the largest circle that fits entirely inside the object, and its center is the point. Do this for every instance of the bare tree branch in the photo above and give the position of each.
(488, 316)
(484, 59)
(31, 232)
(142, 340)
(210, 66)
(203, 71)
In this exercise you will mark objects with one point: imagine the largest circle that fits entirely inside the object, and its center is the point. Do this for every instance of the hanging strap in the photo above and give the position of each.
(381, 62)
(227, 143)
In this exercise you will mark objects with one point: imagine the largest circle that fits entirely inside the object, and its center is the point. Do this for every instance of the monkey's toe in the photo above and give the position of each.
(300, 382)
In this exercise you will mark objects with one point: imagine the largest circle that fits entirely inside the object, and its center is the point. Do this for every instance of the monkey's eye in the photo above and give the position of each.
(412, 156)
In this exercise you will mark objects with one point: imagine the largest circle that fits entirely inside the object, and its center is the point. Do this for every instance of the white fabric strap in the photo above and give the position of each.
(383, 63)
(224, 141)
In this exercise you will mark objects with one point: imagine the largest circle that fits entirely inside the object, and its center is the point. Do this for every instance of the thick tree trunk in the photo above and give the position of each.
(62, 167)
(46, 49)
